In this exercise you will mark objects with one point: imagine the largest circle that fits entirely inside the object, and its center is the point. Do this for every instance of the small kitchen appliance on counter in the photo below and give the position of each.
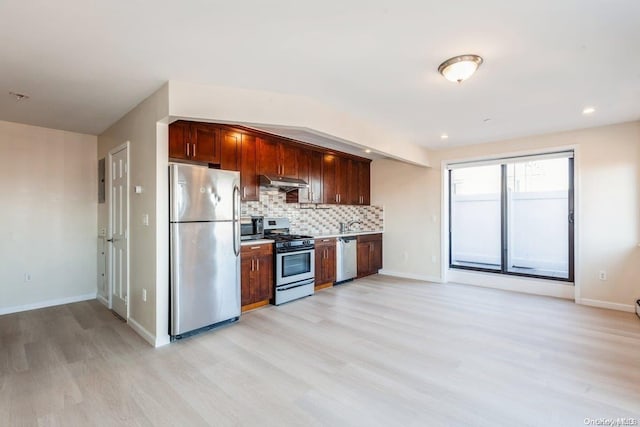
(294, 261)
(251, 228)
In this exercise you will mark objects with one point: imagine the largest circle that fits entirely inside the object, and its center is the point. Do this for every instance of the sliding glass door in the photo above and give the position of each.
(513, 216)
(475, 211)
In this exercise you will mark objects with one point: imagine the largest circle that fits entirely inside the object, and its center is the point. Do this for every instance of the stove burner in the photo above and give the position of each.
(279, 237)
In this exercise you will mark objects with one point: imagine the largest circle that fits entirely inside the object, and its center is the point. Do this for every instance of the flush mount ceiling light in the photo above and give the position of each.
(588, 110)
(460, 68)
(19, 96)
(444, 136)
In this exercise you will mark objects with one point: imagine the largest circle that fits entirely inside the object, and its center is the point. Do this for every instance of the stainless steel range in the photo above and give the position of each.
(295, 261)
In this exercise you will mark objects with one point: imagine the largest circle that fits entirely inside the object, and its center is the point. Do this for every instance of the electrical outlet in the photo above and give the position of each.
(144, 295)
(434, 259)
(602, 275)
(145, 219)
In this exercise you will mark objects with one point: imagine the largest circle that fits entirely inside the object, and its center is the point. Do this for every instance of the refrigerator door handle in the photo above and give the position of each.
(175, 281)
(236, 220)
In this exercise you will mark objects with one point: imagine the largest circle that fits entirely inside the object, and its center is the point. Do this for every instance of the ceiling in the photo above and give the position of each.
(86, 64)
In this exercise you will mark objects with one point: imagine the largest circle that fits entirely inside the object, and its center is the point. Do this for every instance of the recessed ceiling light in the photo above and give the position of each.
(367, 151)
(460, 67)
(588, 110)
(19, 96)
(444, 136)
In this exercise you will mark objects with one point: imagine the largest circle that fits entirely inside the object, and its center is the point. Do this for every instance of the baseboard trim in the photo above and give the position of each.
(606, 304)
(404, 275)
(103, 300)
(140, 330)
(525, 285)
(48, 303)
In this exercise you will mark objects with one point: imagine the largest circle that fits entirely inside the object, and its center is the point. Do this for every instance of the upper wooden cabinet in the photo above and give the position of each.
(230, 150)
(341, 181)
(333, 178)
(277, 157)
(250, 187)
(198, 142)
(238, 153)
(363, 172)
(310, 170)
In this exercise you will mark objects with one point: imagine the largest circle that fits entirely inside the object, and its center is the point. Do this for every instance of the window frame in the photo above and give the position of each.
(504, 225)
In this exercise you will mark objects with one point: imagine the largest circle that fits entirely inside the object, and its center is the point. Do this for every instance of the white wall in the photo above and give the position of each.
(607, 215)
(148, 154)
(48, 189)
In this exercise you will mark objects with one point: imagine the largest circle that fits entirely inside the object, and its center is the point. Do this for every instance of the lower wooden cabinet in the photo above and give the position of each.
(325, 262)
(369, 254)
(256, 273)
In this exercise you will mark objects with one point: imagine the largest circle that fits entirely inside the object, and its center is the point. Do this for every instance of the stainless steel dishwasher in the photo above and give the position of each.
(347, 259)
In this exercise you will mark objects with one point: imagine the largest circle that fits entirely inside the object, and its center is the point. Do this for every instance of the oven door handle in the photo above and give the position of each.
(282, 289)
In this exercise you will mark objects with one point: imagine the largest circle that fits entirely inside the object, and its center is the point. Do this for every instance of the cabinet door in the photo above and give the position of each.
(315, 176)
(353, 182)
(319, 273)
(364, 183)
(178, 140)
(364, 259)
(343, 176)
(330, 264)
(376, 256)
(288, 159)
(205, 143)
(309, 170)
(246, 278)
(329, 175)
(304, 194)
(250, 189)
(268, 157)
(264, 270)
(230, 150)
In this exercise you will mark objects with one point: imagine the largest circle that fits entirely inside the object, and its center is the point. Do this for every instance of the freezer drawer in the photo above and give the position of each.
(205, 275)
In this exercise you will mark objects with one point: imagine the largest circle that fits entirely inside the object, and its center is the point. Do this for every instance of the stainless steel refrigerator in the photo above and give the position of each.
(205, 247)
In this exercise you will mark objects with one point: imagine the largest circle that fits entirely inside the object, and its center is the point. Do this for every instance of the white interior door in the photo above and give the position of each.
(119, 230)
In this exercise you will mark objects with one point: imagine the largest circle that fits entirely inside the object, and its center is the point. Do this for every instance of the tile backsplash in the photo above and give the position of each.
(315, 220)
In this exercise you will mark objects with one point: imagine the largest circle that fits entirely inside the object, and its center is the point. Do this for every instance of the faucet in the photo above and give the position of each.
(346, 226)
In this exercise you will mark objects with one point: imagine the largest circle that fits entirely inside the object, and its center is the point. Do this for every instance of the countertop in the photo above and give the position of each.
(348, 233)
(256, 242)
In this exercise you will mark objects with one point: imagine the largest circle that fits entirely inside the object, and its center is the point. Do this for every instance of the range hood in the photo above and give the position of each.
(282, 182)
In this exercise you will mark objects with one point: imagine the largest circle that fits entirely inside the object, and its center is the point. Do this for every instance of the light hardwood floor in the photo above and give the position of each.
(378, 351)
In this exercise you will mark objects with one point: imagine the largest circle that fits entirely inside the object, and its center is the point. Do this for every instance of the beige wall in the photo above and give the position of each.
(48, 188)
(141, 128)
(607, 214)
(411, 218)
